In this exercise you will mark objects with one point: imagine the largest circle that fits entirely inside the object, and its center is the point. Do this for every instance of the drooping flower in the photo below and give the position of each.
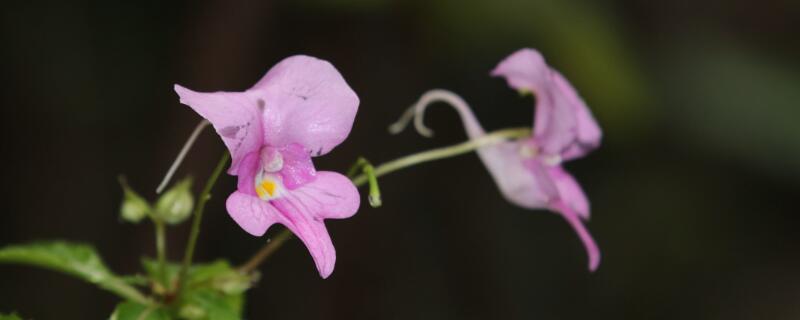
(302, 108)
(529, 171)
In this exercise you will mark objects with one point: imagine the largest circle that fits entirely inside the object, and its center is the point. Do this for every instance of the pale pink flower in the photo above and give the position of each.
(529, 171)
(301, 108)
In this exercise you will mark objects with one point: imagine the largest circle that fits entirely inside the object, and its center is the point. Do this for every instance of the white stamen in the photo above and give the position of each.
(272, 160)
(551, 159)
(527, 151)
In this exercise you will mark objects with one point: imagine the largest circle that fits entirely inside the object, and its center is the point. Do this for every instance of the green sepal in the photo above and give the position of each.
(176, 205)
(134, 207)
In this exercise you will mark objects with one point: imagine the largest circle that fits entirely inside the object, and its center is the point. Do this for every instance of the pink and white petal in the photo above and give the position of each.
(248, 169)
(592, 251)
(517, 183)
(235, 117)
(503, 160)
(298, 169)
(251, 213)
(524, 70)
(330, 196)
(588, 131)
(296, 216)
(307, 102)
(570, 191)
(555, 121)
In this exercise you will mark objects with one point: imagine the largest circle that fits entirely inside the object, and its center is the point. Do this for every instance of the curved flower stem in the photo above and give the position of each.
(445, 152)
(179, 159)
(366, 167)
(370, 175)
(198, 217)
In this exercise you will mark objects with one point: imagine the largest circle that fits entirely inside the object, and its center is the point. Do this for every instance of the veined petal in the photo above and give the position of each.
(307, 102)
(563, 125)
(330, 195)
(251, 213)
(297, 166)
(235, 117)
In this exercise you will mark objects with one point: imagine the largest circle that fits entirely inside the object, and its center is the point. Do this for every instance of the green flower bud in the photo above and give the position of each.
(134, 208)
(176, 204)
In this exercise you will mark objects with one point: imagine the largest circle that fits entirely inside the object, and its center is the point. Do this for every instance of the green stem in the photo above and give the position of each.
(161, 251)
(368, 170)
(444, 152)
(370, 175)
(205, 195)
(125, 290)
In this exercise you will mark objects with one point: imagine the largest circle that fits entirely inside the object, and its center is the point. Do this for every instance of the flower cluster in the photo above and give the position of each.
(303, 108)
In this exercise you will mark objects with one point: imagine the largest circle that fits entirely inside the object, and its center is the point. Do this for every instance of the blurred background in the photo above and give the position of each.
(693, 192)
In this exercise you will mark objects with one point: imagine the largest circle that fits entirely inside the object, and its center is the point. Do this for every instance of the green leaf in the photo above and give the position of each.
(78, 260)
(210, 304)
(135, 311)
(218, 275)
(12, 316)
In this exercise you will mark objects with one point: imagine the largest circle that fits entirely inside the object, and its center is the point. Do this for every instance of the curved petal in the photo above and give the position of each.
(563, 124)
(331, 195)
(248, 168)
(235, 117)
(251, 213)
(306, 102)
(592, 251)
(570, 191)
(587, 130)
(298, 169)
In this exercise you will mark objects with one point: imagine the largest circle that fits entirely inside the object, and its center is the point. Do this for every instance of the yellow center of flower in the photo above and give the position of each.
(268, 186)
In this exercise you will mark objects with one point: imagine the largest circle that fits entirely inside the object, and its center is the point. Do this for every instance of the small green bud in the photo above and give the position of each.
(176, 204)
(134, 208)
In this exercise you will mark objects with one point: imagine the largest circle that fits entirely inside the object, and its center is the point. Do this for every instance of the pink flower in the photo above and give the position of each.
(301, 108)
(529, 171)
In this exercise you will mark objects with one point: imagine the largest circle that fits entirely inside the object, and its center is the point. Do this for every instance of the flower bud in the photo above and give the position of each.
(176, 204)
(134, 208)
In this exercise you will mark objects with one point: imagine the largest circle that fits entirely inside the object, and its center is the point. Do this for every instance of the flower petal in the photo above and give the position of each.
(570, 191)
(503, 160)
(592, 251)
(331, 195)
(246, 175)
(251, 213)
(298, 169)
(307, 102)
(563, 125)
(235, 117)
(588, 131)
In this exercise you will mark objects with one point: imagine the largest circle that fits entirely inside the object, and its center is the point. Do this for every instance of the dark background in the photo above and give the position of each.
(693, 191)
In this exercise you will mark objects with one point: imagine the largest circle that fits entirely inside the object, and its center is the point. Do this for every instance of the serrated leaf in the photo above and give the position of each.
(135, 311)
(209, 304)
(218, 275)
(78, 260)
